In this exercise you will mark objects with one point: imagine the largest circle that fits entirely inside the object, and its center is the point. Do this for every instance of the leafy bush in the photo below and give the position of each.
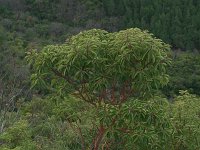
(57, 123)
(185, 117)
(17, 137)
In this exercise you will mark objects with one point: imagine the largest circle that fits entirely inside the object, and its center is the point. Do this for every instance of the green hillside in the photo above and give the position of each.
(132, 82)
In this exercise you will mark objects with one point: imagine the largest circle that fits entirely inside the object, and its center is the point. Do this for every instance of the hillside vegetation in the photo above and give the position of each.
(98, 74)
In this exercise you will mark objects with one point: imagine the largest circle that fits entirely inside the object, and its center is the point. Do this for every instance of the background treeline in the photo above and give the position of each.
(175, 21)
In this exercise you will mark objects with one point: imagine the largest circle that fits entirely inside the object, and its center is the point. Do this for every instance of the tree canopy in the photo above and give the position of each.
(102, 66)
(114, 72)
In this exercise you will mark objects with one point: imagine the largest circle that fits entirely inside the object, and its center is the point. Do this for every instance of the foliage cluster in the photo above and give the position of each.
(57, 123)
(108, 67)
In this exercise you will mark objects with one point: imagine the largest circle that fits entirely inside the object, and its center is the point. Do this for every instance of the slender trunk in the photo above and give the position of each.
(98, 138)
(113, 92)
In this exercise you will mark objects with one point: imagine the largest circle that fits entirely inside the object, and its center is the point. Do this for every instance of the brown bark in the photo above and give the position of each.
(98, 138)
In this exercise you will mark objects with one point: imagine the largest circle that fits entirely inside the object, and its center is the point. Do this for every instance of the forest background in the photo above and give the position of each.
(32, 24)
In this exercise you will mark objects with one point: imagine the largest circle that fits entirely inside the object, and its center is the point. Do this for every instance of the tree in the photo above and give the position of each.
(115, 73)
